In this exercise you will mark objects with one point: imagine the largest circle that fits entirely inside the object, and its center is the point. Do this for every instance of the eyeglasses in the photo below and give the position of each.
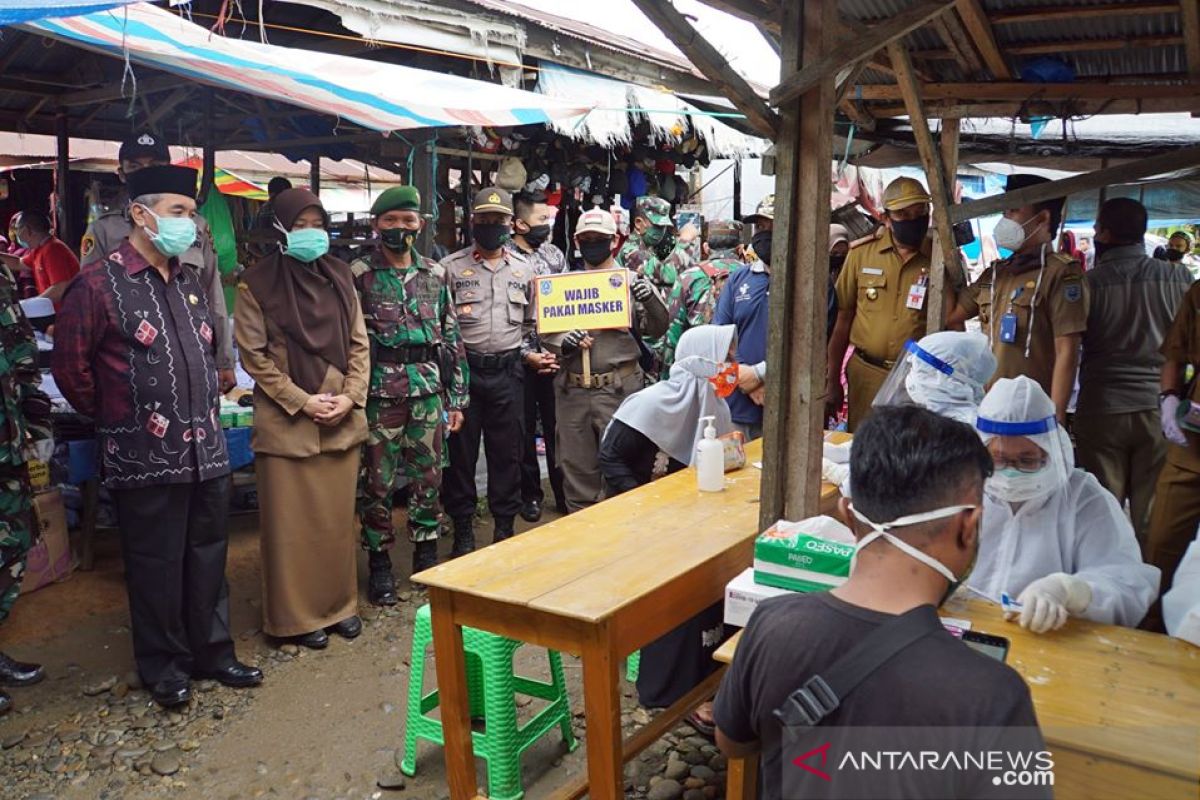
(1023, 464)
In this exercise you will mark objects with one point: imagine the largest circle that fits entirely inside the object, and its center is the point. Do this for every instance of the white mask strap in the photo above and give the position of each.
(883, 530)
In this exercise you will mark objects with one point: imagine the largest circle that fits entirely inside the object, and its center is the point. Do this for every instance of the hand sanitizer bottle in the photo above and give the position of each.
(710, 460)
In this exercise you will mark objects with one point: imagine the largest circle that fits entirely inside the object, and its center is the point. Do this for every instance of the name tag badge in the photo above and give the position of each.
(1008, 328)
(916, 296)
(872, 271)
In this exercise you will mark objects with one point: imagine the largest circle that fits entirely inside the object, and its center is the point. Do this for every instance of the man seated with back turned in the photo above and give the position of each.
(918, 478)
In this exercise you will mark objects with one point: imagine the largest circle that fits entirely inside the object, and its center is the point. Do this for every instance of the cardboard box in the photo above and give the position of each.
(807, 556)
(49, 559)
(742, 594)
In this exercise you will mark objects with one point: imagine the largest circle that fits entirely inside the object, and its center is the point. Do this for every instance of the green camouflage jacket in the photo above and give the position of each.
(24, 409)
(410, 308)
(661, 272)
(693, 301)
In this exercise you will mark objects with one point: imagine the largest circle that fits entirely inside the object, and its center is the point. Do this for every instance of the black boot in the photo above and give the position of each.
(16, 673)
(381, 586)
(503, 529)
(424, 555)
(464, 537)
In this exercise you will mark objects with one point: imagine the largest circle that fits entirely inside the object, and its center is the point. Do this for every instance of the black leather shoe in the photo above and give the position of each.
(464, 537)
(381, 584)
(16, 673)
(347, 628)
(236, 675)
(169, 694)
(317, 640)
(6, 703)
(531, 511)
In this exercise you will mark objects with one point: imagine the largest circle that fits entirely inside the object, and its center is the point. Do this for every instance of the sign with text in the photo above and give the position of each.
(589, 300)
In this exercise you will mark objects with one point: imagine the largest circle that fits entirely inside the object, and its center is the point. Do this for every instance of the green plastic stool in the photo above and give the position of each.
(633, 666)
(492, 687)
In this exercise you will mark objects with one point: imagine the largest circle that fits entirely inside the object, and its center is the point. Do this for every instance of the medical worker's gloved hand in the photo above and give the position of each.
(1048, 601)
(1169, 404)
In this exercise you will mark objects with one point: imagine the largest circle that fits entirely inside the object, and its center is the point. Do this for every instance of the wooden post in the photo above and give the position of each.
(935, 175)
(737, 189)
(62, 184)
(314, 173)
(424, 179)
(795, 402)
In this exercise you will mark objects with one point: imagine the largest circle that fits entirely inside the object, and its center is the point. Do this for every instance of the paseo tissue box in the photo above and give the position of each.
(811, 555)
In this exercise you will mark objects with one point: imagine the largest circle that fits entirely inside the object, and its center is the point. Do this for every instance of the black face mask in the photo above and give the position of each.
(537, 235)
(910, 232)
(595, 251)
(1173, 255)
(398, 240)
(762, 246)
(491, 235)
(835, 264)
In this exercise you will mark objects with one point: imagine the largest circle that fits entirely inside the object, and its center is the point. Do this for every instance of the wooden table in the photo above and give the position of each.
(1120, 708)
(600, 583)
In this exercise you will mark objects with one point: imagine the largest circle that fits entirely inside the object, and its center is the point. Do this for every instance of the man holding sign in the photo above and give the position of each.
(585, 318)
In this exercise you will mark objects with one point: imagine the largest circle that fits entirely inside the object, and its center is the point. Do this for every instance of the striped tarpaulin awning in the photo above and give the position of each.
(13, 12)
(383, 97)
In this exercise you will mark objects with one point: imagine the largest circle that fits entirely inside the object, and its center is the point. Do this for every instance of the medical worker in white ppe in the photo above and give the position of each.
(1052, 537)
(944, 373)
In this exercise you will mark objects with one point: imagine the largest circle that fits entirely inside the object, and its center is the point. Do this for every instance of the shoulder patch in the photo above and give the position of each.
(359, 267)
(1073, 292)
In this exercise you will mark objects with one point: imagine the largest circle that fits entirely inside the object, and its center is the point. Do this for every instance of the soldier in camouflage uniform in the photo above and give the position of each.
(418, 386)
(694, 298)
(652, 249)
(24, 419)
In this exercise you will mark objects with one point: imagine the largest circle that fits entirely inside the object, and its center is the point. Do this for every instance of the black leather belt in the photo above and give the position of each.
(875, 362)
(406, 354)
(493, 360)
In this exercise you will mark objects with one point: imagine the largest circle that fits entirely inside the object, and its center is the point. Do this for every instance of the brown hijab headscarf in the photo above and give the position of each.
(311, 303)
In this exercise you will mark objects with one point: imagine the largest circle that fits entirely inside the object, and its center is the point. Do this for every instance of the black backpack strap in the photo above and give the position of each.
(819, 697)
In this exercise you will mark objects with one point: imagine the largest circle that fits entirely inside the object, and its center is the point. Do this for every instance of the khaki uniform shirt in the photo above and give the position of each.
(1056, 307)
(106, 234)
(1182, 345)
(495, 305)
(875, 284)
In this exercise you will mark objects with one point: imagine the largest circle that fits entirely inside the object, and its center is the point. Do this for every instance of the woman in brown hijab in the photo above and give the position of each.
(301, 336)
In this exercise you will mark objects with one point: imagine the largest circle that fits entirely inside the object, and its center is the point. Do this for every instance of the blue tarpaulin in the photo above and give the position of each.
(13, 12)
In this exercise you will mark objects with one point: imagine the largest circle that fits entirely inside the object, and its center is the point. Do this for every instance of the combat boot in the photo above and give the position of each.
(424, 555)
(464, 537)
(381, 585)
(503, 529)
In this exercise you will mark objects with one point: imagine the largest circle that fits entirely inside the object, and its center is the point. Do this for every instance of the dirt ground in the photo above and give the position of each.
(324, 724)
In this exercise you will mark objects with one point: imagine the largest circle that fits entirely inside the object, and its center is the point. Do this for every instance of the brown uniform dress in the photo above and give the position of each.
(307, 477)
(1056, 307)
(875, 284)
(1176, 509)
(584, 411)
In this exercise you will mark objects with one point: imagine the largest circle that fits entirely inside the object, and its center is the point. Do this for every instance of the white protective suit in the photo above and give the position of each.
(1076, 527)
(1181, 605)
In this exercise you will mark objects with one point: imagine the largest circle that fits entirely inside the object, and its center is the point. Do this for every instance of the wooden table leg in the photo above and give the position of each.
(602, 705)
(741, 783)
(452, 696)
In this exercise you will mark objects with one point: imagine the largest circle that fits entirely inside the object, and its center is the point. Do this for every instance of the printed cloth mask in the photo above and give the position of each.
(653, 235)
(491, 236)
(725, 381)
(174, 234)
(398, 240)
(884, 530)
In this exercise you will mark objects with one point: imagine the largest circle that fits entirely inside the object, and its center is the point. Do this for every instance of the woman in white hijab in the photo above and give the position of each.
(1053, 537)
(666, 416)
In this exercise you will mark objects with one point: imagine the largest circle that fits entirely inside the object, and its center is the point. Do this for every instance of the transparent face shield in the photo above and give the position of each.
(1030, 458)
(920, 378)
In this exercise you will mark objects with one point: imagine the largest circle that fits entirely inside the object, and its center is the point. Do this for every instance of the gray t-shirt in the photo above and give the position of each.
(1133, 300)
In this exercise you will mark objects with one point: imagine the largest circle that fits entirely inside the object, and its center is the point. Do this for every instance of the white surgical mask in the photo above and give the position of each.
(1010, 234)
(1013, 486)
(882, 530)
